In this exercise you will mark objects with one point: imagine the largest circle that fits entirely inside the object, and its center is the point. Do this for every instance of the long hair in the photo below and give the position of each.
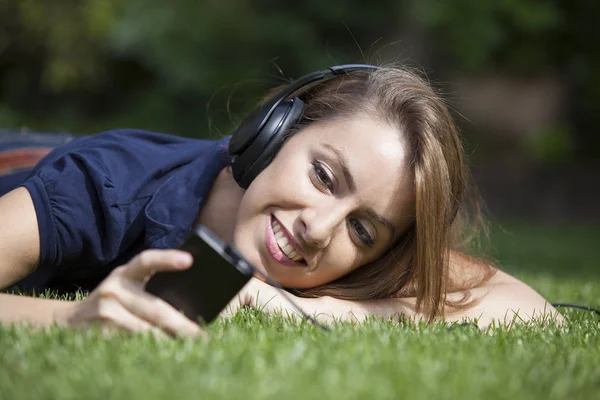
(419, 264)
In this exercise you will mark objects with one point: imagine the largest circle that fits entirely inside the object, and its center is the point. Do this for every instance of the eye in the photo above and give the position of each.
(361, 232)
(322, 176)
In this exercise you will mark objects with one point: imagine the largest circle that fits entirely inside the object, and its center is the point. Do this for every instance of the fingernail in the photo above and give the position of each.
(183, 260)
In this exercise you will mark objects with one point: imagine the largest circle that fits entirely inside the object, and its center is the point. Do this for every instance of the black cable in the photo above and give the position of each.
(578, 306)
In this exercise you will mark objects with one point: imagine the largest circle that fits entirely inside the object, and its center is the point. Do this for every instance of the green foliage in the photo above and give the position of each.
(482, 35)
(523, 38)
(551, 146)
(68, 37)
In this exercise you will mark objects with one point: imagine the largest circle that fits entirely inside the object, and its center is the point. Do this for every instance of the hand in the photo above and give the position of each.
(259, 294)
(121, 301)
(262, 296)
(256, 294)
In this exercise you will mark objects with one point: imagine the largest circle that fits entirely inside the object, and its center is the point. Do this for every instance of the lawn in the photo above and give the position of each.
(258, 356)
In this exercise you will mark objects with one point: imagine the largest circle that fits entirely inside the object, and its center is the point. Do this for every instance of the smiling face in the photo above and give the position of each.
(335, 197)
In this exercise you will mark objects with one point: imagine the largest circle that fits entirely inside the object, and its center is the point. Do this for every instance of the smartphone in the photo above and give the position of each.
(202, 291)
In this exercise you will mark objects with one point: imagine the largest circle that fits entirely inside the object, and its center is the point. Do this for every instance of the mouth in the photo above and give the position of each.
(280, 245)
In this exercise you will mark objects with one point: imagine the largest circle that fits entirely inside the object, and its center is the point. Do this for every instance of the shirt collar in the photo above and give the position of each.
(171, 212)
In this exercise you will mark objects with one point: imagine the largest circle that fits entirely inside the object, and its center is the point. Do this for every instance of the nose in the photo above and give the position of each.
(318, 224)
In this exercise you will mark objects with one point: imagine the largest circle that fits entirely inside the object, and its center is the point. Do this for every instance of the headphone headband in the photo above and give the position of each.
(257, 119)
(318, 75)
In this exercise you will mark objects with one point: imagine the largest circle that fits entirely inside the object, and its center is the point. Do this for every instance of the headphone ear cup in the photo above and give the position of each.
(249, 129)
(259, 153)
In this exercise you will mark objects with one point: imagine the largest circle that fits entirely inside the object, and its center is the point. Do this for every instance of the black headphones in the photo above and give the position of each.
(257, 140)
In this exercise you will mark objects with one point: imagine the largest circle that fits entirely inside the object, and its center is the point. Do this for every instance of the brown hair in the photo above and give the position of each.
(420, 263)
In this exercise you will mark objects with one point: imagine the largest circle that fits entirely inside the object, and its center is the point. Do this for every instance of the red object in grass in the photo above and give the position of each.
(19, 159)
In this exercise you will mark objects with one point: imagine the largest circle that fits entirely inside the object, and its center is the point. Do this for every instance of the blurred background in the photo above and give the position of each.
(522, 76)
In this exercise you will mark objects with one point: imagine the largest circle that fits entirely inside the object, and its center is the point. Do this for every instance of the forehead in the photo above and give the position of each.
(377, 158)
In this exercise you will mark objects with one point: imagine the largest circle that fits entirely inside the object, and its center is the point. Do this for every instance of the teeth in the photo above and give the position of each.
(291, 253)
(283, 242)
(287, 248)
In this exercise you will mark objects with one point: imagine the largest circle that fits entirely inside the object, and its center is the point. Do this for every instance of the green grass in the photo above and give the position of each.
(258, 356)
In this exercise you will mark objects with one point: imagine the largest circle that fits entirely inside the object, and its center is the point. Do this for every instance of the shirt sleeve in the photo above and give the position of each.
(85, 220)
(79, 220)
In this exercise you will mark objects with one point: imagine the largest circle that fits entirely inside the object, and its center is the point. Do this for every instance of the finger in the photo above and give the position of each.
(150, 261)
(113, 314)
(156, 311)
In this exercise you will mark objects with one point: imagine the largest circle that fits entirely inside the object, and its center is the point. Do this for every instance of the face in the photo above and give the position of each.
(335, 198)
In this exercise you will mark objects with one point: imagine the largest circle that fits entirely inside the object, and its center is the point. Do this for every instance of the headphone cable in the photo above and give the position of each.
(578, 306)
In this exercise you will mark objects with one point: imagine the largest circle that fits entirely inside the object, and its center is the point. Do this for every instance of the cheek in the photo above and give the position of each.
(260, 194)
(249, 203)
(341, 258)
(285, 183)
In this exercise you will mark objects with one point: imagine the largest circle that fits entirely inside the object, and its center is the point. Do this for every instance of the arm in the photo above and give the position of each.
(505, 299)
(501, 299)
(19, 257)
(260, 295)
(19, 237)
(39, 312)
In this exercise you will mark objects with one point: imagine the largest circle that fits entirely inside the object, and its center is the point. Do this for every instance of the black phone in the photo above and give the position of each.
(202, 291)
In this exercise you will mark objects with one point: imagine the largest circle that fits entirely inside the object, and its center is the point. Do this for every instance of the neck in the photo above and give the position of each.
(219, 212)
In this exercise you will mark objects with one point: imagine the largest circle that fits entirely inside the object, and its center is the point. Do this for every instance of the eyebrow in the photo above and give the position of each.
(341, 159)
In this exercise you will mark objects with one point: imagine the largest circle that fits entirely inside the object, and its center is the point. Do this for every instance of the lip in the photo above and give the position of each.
(274, 249)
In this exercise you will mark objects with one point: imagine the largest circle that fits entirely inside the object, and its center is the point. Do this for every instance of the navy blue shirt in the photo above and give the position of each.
(102, 199)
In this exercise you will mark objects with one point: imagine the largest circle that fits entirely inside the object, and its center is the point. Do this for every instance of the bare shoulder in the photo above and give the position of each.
(499, 297)
(19, 237)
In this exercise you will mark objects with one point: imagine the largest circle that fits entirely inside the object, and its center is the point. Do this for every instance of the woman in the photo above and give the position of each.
(359, 207)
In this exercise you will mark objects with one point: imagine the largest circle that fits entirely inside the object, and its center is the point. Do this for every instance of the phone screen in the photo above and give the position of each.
(202, 291)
